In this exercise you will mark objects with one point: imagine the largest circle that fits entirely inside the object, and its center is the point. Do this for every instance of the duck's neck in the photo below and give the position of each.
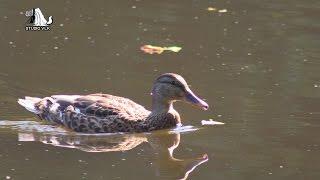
(161, 106)
(163, 114)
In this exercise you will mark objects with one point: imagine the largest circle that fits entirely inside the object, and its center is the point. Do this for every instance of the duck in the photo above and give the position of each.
(105, 113)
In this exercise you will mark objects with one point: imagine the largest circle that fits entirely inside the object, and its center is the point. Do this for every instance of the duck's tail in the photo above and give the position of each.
(46, 108)
(30, 104)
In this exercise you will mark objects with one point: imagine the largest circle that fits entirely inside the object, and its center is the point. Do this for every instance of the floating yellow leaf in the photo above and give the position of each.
(173, 48)
(152, 49)
(149, 49)
(211, 9)
(222, 10)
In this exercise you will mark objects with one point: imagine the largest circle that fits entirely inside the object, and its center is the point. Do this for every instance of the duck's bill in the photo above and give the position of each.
(195, 100)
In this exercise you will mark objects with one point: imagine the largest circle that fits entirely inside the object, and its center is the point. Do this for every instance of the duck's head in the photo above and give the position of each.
(170, 87)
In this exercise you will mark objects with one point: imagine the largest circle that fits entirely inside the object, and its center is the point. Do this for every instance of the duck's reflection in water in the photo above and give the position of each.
(162, 142)
(87, 143)
(167, 165)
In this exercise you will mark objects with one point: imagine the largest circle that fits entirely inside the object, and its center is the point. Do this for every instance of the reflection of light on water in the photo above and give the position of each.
(4, 123)
(25, 137)
(182, 129)
(32, 126)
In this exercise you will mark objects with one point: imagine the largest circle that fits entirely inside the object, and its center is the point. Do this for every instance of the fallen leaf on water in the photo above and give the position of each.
(173, 48)
(211, 122)
(211, 9)
(156, 49)
(222, 10)
(152, 49)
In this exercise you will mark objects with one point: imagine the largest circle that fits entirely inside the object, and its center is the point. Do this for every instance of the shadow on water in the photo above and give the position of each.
(163, 143)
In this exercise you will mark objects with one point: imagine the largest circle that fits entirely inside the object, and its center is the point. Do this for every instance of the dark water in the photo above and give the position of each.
(257, 65)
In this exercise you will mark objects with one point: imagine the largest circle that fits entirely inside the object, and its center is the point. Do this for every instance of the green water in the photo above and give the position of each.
(257, 65)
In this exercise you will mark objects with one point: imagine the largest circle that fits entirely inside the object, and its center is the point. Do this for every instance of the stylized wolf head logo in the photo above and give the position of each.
(37, 18)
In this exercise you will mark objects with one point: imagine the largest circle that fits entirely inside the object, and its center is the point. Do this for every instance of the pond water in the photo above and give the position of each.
(255, 63)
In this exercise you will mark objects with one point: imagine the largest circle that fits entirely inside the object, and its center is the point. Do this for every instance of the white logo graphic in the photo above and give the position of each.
(37, 20)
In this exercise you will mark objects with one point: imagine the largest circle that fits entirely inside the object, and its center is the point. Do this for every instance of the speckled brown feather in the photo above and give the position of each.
(102, 113)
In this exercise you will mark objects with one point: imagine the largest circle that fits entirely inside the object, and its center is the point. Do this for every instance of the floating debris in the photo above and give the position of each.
(213, 9)
(149, 49)
(222, 10)
(173, 48)
(211, 122)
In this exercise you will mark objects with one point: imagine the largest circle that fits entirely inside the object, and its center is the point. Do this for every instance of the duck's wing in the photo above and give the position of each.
(101, 105)
(104, 105)
(97, 113)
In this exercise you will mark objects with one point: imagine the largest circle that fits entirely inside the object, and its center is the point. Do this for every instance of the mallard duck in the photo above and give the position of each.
(104, 113)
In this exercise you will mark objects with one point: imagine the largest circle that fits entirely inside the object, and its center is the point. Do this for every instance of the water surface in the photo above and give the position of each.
(257, 65)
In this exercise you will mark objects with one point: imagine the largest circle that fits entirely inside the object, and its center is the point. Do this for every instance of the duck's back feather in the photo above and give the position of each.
(104, 105)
